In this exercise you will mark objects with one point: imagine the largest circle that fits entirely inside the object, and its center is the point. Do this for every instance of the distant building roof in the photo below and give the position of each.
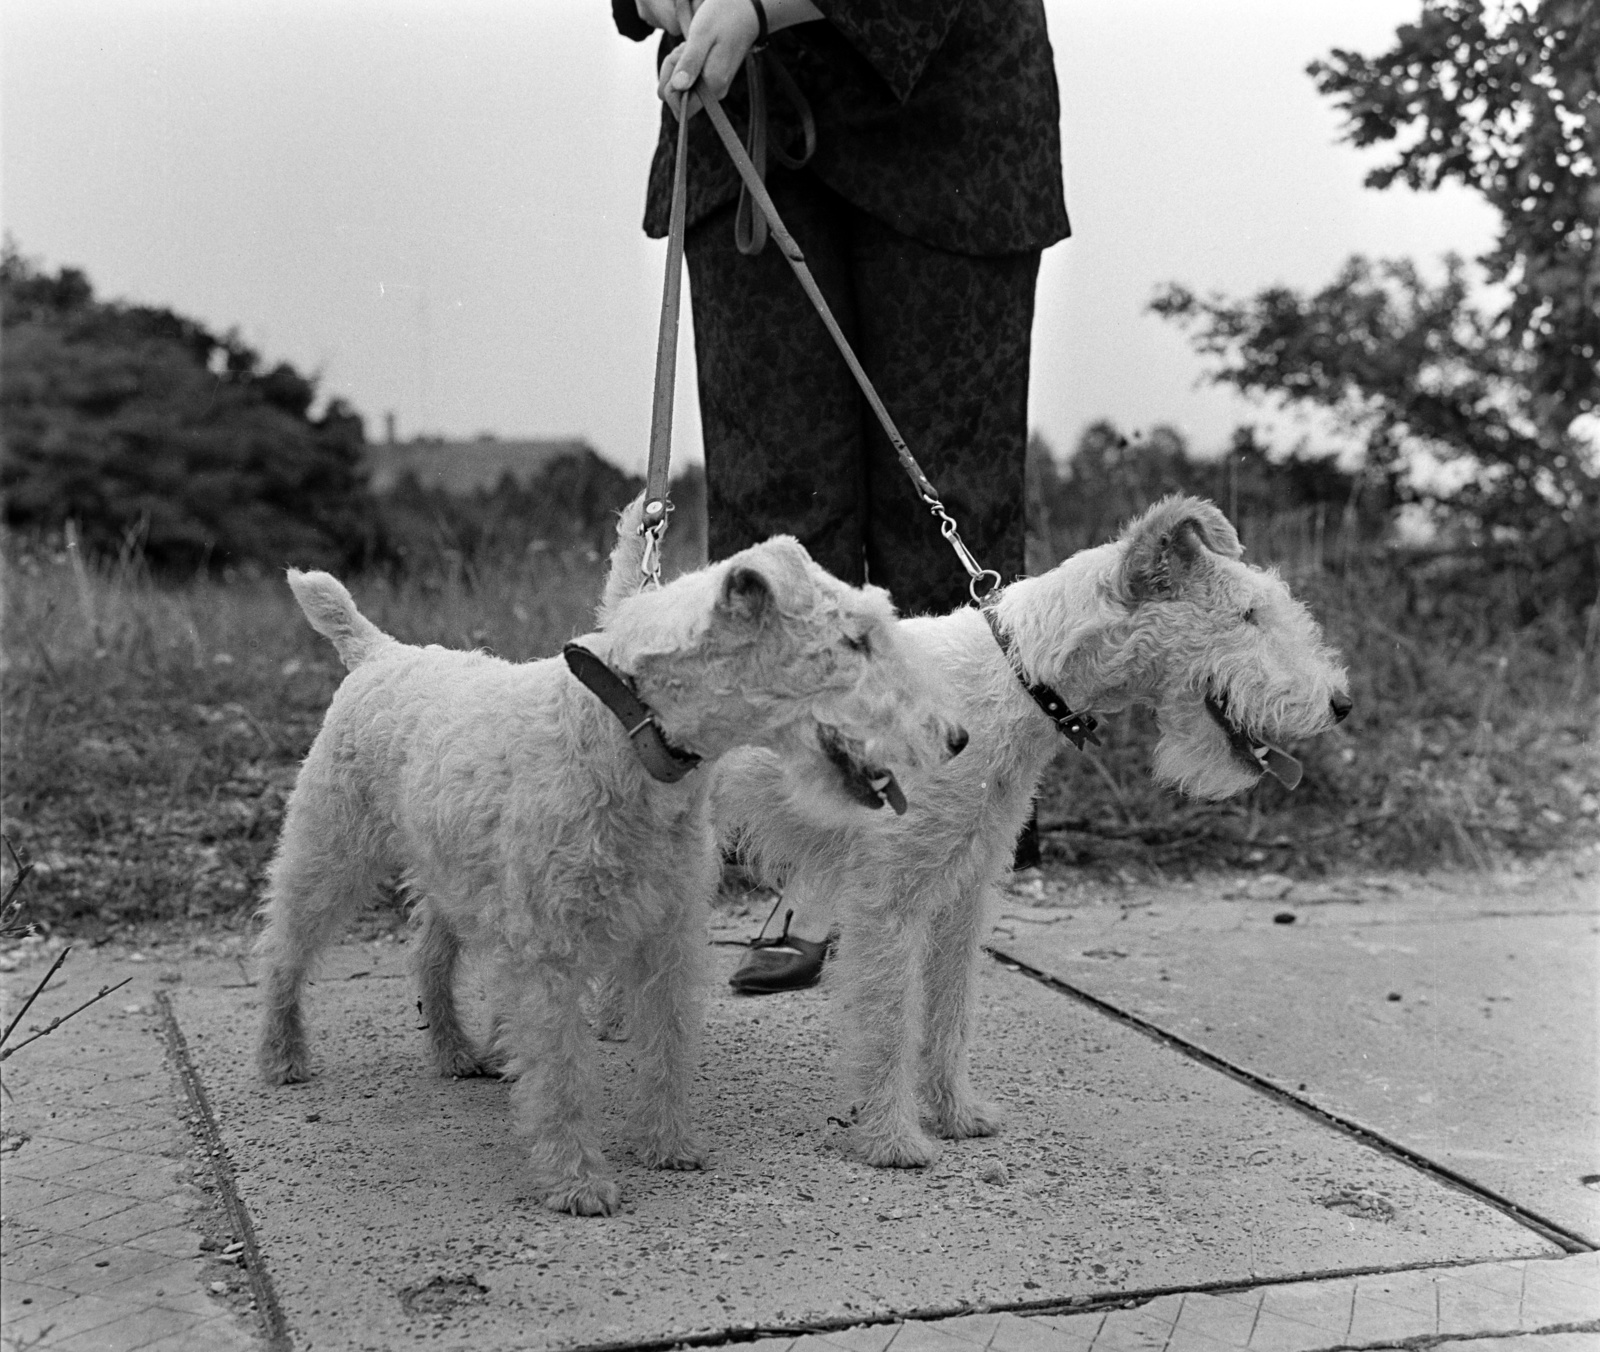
(464, 467)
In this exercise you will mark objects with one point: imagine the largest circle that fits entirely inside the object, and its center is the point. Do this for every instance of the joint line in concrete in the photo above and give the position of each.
(1546, 1228)
(204, 1122)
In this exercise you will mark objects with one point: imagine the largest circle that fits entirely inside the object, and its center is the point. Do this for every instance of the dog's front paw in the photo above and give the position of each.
(279, 1066)
(683, 1154)
(973, 1117)
(585, 1197)
(465, 1063)
(900, 1150)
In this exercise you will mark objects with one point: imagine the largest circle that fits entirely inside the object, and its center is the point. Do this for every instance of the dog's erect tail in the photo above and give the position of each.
(627, 558)
(333, 614)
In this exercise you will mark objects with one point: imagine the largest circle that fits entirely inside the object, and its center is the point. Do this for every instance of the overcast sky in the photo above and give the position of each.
(435, 206)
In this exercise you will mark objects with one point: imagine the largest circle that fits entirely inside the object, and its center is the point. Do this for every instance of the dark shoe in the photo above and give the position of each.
(786, 963)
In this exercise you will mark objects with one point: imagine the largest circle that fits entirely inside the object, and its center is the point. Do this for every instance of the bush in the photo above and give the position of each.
(148, 431)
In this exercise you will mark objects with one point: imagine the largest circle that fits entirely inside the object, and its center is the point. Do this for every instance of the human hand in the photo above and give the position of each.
(720, 37)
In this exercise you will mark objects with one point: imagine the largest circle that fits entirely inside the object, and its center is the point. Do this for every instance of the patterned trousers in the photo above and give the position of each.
(791, 445)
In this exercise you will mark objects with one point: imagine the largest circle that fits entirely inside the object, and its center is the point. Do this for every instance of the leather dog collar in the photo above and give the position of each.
(1076, 728)
(662, 760)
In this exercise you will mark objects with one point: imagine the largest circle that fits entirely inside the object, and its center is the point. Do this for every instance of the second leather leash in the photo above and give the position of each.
(981, 580)
(1077, 727)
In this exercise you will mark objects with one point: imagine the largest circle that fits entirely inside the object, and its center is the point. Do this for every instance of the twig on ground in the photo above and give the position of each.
(8, 911)
(38, 990)
(57, 1022)
(12, 905)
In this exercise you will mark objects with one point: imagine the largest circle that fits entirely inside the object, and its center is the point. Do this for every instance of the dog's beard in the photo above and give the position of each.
(1251, 751)
(1196, 756)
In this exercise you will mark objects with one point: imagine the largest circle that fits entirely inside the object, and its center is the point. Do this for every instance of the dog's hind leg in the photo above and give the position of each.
(435, 963)
(878, 964)
(948, 989)
(549, 1054)
(322, 874)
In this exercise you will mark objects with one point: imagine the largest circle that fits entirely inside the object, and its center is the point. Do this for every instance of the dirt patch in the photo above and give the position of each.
(442, 1295)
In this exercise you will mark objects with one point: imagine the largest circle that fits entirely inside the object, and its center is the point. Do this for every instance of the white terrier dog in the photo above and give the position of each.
(515, 802)
(1166, 616)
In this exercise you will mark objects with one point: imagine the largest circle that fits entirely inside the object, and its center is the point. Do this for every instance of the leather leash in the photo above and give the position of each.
(1076, 727)
(657, 502)
(976, 574)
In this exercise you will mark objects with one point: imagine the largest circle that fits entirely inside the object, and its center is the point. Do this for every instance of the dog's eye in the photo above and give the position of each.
(862, 643)
(1249, 617)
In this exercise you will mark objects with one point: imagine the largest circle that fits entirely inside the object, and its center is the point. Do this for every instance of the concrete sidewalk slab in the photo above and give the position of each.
(1460, 1022)
(101, 1232)
(392, 1209)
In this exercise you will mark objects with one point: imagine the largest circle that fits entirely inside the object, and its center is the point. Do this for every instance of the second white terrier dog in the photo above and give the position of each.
(513, 799)
(1167, 616)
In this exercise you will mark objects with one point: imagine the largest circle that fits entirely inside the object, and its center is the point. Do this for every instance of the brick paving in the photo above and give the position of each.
(100, 1227)
(1531, 1305)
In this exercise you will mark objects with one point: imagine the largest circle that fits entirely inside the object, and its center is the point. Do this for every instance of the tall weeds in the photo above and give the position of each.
(152, 730)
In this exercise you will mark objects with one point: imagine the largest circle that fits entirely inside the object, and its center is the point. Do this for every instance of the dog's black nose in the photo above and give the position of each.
(1341, 705)
(957, 741)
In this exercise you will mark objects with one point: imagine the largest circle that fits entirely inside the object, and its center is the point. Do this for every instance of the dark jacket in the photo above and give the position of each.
(939, 117)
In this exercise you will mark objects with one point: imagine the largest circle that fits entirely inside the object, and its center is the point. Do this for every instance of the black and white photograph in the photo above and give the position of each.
(800, 675)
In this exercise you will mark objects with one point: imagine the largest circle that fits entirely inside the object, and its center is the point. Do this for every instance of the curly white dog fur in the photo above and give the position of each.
(1166, 616)
(513, 800)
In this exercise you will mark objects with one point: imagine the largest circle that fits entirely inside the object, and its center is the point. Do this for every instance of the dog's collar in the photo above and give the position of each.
(1076, 728)
(660, 758)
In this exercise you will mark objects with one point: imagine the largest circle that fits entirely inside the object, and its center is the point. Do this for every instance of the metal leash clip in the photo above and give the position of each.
(975, 572)
(653, 528)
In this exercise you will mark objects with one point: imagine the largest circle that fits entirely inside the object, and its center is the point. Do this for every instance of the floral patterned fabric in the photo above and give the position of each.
(939, 117)
(791, 445)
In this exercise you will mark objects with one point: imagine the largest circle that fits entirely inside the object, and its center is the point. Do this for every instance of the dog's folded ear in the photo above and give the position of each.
(1170, 540)
(746, 596)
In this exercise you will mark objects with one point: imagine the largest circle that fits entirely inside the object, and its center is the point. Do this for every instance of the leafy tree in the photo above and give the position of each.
(1505, 102)
(1480, 415)
(140, 424)
(1417, 371)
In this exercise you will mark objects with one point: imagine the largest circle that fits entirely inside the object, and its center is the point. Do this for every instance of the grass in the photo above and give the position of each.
(152, 731)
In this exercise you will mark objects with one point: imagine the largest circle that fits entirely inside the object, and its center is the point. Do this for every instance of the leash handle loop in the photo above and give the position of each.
(791, 251)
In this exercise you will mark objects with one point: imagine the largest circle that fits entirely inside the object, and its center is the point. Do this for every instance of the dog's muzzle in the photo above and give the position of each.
(1255, 753)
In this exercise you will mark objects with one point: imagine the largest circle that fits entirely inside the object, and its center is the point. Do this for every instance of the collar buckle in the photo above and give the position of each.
(663, 761)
